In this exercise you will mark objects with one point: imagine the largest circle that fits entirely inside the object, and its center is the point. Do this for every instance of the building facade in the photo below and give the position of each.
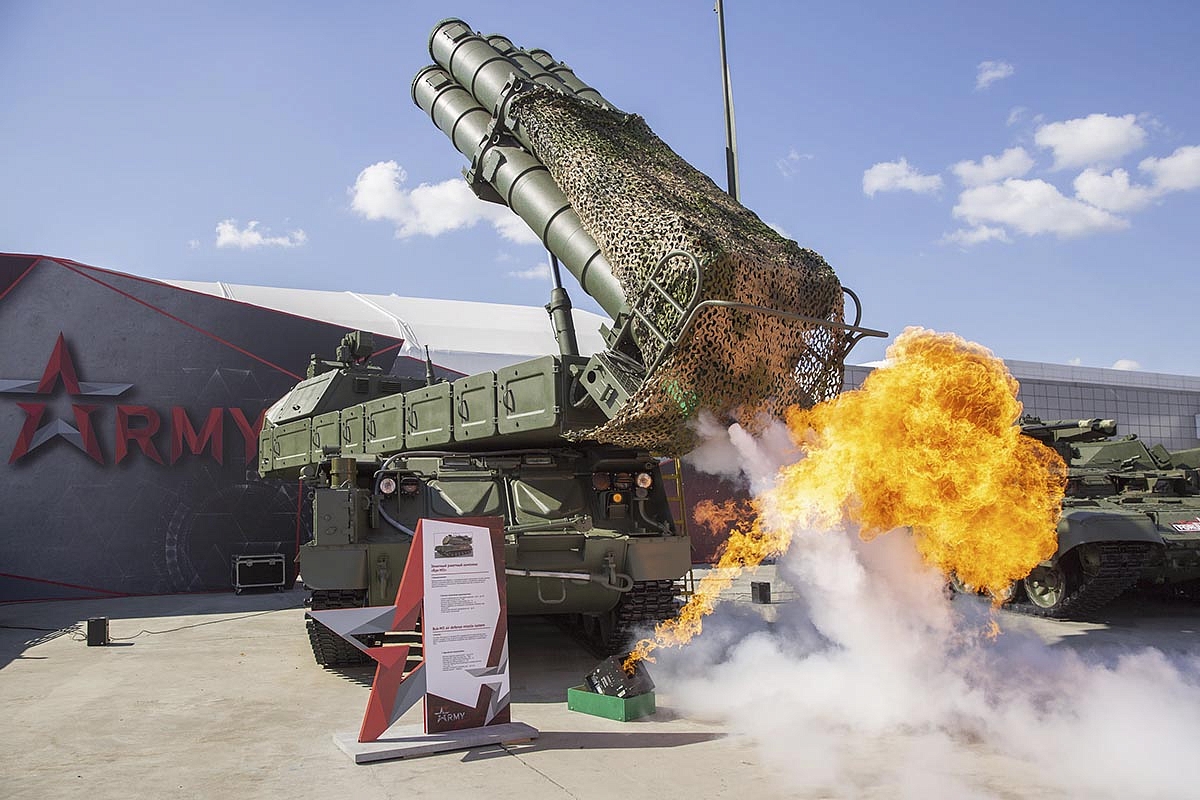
(1161, 409)
(130, 410)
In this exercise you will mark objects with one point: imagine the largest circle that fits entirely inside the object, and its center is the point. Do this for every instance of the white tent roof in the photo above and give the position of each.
(462, 335)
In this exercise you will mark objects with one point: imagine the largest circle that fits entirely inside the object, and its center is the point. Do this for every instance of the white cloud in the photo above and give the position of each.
(779, 229)
(1177, 172)
(1126, 364)
(1094, 139)
(228, 235)
(429, 210)
(536, 272)
(991, 71)
(790, 164)
(193, 244)
(1012, 163)
(1032, 207)
(1113, 191)
(892, 176)
(1076, 361)
(966, 237)
(1016, 115)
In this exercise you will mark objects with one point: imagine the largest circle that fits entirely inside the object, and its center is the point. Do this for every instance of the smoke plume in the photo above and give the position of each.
(873, 683)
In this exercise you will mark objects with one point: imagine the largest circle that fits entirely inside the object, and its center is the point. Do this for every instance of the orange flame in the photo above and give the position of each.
(929, 443)
(721, 517)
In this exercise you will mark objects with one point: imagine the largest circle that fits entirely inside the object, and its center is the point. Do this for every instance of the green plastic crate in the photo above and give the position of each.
(622, 709)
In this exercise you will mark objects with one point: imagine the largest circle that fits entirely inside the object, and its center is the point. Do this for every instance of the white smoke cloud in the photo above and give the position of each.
(873, 683)
(429, 209)
(731, 452)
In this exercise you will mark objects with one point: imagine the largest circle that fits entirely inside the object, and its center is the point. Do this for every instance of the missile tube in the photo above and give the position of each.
(568, 77)
(521, 180)
(528, 65)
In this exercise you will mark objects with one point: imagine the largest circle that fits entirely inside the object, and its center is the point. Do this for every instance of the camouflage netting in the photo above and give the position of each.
(639, 201)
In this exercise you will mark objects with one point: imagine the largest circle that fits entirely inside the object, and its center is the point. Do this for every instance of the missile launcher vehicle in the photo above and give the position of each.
(712, 313)
(1130, 516)
(454, 547)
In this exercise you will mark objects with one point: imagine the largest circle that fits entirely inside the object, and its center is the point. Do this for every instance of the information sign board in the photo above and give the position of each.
(464, 625)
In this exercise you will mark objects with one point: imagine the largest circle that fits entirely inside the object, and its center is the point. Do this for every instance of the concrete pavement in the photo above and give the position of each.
(214, 695)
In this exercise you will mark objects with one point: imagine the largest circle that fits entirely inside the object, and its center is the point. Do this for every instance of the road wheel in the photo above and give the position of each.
(1047, 587)
(958, 586)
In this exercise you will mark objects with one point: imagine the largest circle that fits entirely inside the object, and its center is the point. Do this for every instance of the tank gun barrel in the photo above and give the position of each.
(1068, 430)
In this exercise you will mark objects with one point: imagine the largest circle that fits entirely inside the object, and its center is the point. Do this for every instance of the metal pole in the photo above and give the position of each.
(731, 168)
(560, 313)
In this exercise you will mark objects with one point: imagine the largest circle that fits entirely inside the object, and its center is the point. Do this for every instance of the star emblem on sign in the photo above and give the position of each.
(60, 368)
(394, 689)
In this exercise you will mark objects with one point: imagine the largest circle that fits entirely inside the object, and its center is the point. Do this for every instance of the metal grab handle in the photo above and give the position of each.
(542, 598)
(370, 428)
(509, 400)
(412, 419)
(464, 410)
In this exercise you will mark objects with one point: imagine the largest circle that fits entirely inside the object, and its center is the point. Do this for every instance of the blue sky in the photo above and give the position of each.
(1026, 175)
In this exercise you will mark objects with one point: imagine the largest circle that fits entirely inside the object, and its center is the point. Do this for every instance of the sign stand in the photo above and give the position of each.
(454, 582)
(409, 741)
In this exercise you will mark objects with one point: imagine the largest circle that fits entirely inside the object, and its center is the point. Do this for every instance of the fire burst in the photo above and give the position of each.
(928, 444)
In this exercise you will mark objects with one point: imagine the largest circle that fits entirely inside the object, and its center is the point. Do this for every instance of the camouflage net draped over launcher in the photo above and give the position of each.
(639, 201)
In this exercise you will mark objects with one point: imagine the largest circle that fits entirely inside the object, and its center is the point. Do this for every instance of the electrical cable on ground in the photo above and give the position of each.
(202, 624)
(76, 631)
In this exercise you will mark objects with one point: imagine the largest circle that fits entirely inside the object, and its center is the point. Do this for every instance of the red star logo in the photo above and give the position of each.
(393, 692)
(60, 368)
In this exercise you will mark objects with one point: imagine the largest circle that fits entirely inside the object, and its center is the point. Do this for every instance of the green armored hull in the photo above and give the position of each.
(1131, 516)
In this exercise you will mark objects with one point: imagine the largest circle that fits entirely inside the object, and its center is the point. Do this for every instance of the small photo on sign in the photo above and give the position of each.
(453, 546)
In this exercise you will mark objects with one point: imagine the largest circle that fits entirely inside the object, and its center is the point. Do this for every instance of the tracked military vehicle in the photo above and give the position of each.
(1158, 484)
(454, 547)
(712, 312)
(1129, 516)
